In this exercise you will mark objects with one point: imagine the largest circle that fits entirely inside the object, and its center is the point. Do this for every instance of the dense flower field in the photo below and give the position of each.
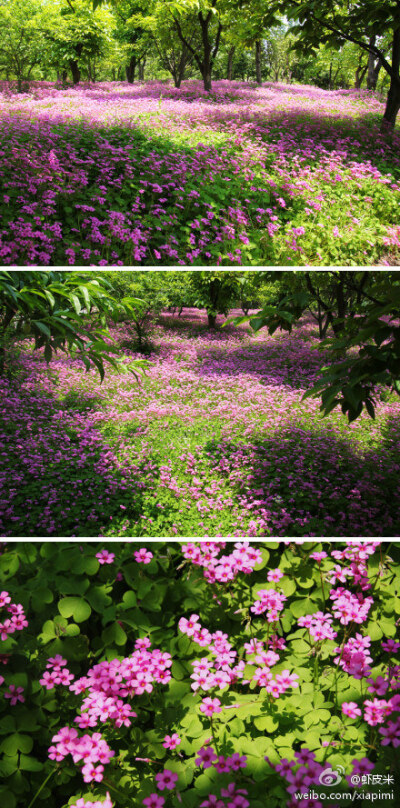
(215, 441)
(121, 175)
(201, 675)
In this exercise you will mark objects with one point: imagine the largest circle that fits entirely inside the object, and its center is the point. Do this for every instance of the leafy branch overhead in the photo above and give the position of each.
(63, 311)
(363, 310)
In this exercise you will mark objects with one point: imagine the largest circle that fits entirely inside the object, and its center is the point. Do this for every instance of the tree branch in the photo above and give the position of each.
(369, 48)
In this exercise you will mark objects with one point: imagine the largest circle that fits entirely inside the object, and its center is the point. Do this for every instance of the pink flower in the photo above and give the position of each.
(154, 801)
(143, 556)
(205, 757)
(318, 557)
(190, 626)
(166, 779)
(105, 557)
(48, 680)
(4, 598)
(91, 772)
(210, 706)
(14, 694)
(274, 575)
(171, 741)
(351, 709)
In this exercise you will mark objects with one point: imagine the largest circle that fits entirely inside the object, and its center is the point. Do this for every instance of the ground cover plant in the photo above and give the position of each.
(154, 175)
(200, 674)
(216, 440)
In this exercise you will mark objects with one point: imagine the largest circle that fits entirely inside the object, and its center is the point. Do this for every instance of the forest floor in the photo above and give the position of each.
(146, 174)
(214, 441)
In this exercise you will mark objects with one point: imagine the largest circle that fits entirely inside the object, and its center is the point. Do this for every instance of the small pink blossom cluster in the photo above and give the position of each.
(349, 608)
(361, 768)
(300, 774)
(390, 646)
(275, 687)
(357, 553)
(226, 567)
(82, 803)
(354, 658)
(319, 626)
(269, 601)
(391, 732)
(376, 711)
(56, 673)
(164, 780)
(109, 683)
(208, 673)
(236, 796)
(91, 749)
(16, 622)
(256, 646)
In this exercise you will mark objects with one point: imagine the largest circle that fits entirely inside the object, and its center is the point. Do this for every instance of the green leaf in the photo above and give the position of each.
(78, 608)
(16, 743)
(114, 634)
(266, 723)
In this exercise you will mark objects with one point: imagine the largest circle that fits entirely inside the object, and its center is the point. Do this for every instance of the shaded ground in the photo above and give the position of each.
(215, 441)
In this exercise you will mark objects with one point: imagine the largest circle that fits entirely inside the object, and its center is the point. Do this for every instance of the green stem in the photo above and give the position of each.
(108, 784)
(40, 789)
(322, 585)
(213, 735)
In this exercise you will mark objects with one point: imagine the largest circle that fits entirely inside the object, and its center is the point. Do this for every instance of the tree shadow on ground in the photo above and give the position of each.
(304, 482)
(285, 362)
(65, 479)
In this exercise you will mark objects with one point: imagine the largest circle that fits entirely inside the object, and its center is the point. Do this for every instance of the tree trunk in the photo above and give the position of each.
(142, 64)
(392, 106)
(258, 62)
(360, 73)
(75, 70)
(371, 81)
(229, 71)
(212, 319)
(130, 70)
(377, 70)
(393, 99)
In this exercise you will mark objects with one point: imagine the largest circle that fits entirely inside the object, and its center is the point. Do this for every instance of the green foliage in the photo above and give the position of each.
(362, 308)
(62, 311)
(21, 39)
(122, 597)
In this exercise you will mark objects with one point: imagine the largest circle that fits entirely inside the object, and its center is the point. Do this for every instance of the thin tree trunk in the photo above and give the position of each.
(360, 73)
(371, 81)
(212, 319)
(229, 71)
(258, 62)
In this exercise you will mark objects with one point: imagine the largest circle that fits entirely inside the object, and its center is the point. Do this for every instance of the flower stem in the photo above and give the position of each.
(40, 789)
